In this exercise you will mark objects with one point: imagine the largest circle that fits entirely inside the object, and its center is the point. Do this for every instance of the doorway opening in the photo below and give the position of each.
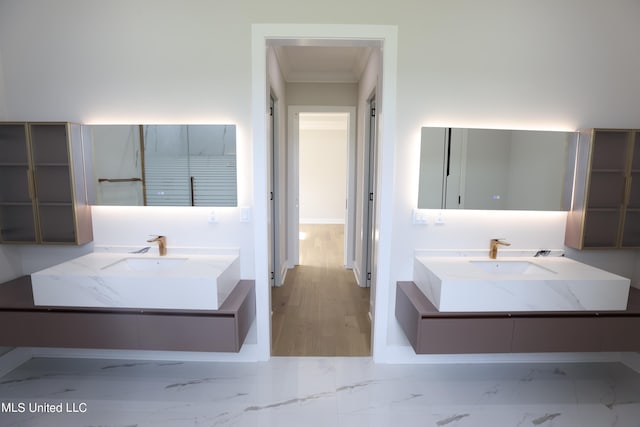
(322, 175)
(323, 142)
(264, 38)
(321, 304)
(320, 310)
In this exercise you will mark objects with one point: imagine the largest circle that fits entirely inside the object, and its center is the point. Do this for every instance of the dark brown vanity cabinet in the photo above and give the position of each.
(223, 330)
(43, 194)
(432, 332)
(605, 209)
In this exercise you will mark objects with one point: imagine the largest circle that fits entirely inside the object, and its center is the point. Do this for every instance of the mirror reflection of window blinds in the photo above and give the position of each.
(168, 181)
(214, 181)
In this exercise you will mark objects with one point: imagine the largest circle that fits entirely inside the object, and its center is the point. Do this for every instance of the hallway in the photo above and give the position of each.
(320, 310)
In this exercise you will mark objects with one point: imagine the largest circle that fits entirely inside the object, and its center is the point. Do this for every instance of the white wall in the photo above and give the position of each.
(622, 262)
(184, 227)
(134, 62)
(33, 258)
(132, 226)
(334, 94)
(497, 63)
(323, 175)
(125, 62)
(553, 65)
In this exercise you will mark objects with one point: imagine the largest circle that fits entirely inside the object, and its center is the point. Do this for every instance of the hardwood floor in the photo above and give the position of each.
(320, 310)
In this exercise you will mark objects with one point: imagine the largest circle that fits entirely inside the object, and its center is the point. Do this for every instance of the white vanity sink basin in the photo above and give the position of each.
(145, 281)
(146, 264)
(510, 267)
(478, 284)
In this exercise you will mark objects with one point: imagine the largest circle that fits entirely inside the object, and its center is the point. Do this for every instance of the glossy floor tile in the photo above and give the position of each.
(317, 392)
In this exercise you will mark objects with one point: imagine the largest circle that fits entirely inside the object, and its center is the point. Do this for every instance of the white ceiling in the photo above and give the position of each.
(322, 64)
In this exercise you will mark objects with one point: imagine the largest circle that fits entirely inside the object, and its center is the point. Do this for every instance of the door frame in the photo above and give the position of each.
(369, 205)
(293, 140)
(272, 177)
(386, 37)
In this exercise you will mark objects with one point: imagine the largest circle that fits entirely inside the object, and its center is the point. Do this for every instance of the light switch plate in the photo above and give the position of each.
(245, 214)
(420, 216)
(213, 219)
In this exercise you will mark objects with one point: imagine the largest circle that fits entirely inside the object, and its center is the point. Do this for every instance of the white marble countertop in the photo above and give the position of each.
(185, 278)
(556, 283)
(100, 264)
(452, 268)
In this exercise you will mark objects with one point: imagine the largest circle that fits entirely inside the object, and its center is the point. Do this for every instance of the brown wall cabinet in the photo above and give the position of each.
(43, 194)
(606, 196)
(432, 332)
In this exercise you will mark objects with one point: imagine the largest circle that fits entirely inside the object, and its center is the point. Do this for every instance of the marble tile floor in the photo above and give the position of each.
(317, 392)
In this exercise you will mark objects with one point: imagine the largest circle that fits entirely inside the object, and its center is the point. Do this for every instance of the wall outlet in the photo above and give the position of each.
(213, 219)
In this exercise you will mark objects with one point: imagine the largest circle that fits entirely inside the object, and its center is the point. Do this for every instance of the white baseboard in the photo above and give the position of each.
(248, 353)
(398, 355)
(406, 355)
(283, 273)
(322, 221)
(632, 360)
(356, 276)
(14, 358)
(356, 273)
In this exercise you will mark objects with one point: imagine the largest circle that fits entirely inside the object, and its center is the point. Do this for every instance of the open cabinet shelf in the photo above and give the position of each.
(606, 196)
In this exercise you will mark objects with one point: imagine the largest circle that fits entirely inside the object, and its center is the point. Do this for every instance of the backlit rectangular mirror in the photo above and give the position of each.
(495, 169)
(164, 165)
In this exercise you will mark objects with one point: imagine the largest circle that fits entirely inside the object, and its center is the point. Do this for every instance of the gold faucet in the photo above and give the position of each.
(493, 247)
(162, 244)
